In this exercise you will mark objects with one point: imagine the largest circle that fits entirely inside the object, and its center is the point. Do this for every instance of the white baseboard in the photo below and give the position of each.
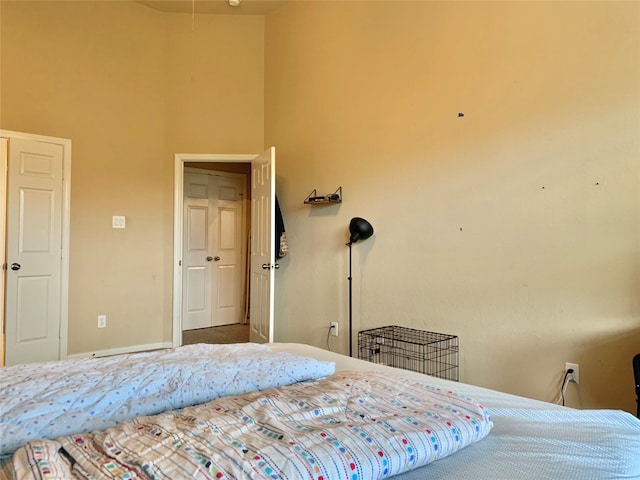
(118, 351)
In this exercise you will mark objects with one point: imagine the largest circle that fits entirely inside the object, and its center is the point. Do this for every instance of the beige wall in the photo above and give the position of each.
(93, 72)
(215, 99)
(131, 87)
(363, 95)
(215, 87)
(515, 227)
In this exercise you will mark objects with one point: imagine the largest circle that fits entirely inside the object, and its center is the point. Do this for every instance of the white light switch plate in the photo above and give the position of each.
(118, 221)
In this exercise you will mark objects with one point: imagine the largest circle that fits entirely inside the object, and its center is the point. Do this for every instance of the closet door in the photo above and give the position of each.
(33, 251)
(213, 277)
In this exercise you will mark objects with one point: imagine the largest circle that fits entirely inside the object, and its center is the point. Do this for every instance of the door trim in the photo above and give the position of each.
(66, 223)
(178, 205)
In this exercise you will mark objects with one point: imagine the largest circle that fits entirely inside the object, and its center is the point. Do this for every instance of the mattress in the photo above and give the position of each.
(530, 440)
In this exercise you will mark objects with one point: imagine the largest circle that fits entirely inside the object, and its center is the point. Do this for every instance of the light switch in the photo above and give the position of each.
(118, 221)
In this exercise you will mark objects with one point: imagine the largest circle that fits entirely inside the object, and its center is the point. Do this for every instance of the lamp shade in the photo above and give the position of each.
(359, 229)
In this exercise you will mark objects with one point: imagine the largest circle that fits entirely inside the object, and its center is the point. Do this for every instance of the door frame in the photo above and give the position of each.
(178, 206)
(65, 231)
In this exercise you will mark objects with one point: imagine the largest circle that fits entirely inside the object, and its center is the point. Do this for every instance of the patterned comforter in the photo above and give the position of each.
(352, 426)
(48, 400)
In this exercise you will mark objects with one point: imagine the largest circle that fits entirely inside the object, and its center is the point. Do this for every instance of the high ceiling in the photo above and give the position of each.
(219, 7)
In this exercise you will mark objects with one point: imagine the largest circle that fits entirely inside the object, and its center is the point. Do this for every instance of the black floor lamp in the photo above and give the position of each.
(359, 229)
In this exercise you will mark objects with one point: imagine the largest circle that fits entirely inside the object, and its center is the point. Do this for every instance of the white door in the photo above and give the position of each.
(228, 250)
(263, 264)
(213, 273)
(4, 151)
(196, 301)
(34, 251)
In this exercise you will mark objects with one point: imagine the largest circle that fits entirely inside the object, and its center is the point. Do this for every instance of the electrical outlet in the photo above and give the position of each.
(575, 376)
(102, 321)
(334, 329)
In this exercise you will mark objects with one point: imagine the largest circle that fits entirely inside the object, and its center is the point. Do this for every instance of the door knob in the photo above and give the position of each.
(266, 266)
(16, 266)
(216, 258)
(209, 259)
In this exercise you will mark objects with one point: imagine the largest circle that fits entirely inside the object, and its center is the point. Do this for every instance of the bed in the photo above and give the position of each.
(291, 411)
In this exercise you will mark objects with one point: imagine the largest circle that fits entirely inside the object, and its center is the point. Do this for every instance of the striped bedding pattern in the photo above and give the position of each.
(352, 426)
(52, 399)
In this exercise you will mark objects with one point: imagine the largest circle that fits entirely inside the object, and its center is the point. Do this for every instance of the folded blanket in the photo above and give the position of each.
(48, 400)
(351, 426)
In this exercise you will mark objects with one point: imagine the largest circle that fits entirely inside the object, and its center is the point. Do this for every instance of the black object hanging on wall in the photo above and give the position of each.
(359, 229)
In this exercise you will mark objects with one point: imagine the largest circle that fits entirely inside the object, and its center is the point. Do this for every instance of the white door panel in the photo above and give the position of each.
(197, 299)
(262, 246)
(214, 245)
(197, 270)
(197, 228)
(34, 251)
(228, 302)
(35, 316)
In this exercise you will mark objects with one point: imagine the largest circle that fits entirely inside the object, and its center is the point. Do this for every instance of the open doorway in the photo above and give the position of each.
(214, 247)
(259, 171)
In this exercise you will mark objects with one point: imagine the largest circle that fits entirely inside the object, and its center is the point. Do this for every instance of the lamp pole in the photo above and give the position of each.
(359, 229)
(350, 306)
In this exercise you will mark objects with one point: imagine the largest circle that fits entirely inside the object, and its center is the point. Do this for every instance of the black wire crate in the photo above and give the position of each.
(432, 353)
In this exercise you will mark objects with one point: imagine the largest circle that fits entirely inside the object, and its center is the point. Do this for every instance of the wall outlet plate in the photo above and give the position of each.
(334, 329)
(102, 321)
(575, 376)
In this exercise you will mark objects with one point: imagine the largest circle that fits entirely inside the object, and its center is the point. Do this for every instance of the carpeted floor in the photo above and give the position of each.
(237, 333)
